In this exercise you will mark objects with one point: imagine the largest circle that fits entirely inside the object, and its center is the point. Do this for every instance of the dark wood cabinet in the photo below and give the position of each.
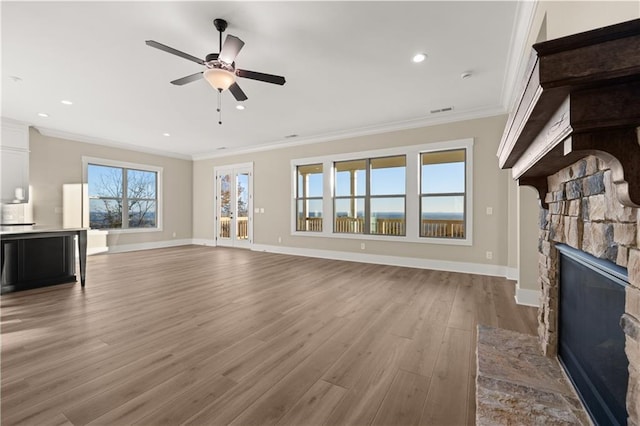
(36, 262)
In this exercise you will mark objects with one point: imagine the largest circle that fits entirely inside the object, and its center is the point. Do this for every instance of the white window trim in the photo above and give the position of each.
(123, 164)
(412, 213)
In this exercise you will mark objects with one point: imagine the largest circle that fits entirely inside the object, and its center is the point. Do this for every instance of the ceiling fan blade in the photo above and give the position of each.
(237, 92)
(230, 49)
(267, 78)
(187, 79)
(174, 51)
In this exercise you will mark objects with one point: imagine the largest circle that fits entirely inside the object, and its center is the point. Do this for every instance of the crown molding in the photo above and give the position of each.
(13, 122)
(518, 52)
(105, 142)
(362, 131)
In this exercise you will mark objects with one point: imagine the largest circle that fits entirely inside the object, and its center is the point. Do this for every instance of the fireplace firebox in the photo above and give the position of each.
(590, 339)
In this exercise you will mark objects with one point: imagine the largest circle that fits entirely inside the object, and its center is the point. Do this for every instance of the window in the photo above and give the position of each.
(388, 193)
(442, 194)
(419, 194)
(370, 196)
(350, 190)
(309, 198)
(123, 196)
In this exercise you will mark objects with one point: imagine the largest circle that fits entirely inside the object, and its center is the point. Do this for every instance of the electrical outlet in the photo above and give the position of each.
(173, 235)
(362, 246)
(489, 255)
(280, 240)
(489, 211)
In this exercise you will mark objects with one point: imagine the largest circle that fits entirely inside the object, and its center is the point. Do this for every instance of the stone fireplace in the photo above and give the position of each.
(583, 213)
(575, 137)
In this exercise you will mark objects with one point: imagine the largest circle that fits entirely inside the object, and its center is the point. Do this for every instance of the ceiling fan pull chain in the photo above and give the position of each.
(219, 107)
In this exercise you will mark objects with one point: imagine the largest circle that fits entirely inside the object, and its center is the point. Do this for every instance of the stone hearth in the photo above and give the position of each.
(508, 393)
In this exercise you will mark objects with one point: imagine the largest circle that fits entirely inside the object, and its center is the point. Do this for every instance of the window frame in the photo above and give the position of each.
(412, 192)
(86, 161)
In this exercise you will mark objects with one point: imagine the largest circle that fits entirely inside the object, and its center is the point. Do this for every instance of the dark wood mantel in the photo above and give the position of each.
(581, 96)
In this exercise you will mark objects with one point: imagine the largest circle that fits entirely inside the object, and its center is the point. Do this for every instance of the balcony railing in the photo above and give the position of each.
(242, 232)
(442, 228)
(350, 225)
(381, 226)
(313, 224)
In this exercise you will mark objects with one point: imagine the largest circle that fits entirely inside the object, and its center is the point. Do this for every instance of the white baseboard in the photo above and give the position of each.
(203, 242)
(148, 246)
(512, 274)
(411, 262)
(527, 297)
(96, 250)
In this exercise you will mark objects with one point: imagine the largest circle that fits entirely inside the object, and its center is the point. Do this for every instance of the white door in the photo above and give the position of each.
(234, 205)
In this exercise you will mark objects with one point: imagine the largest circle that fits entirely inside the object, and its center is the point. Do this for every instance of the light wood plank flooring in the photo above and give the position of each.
(200, 335)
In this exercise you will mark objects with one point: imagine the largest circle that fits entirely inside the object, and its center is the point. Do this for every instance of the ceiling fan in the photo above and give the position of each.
(220, 68)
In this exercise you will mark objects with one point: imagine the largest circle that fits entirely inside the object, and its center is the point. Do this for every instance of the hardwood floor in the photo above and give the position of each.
(201, 335)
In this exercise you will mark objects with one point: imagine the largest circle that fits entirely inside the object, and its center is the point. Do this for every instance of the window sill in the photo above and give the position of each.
(127, 230)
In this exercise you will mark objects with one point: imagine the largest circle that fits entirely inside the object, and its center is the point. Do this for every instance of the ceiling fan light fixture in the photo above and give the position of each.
(220, 79)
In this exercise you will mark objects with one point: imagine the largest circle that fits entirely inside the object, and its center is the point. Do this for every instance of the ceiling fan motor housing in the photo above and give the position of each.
(212, 61)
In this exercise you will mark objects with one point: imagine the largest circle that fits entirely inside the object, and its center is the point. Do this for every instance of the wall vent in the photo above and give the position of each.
(435, 111)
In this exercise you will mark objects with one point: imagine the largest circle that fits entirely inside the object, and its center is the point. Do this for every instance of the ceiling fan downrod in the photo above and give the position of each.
(220, 25)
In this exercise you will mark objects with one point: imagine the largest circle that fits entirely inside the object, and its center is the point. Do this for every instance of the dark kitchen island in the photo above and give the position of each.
(37, 256)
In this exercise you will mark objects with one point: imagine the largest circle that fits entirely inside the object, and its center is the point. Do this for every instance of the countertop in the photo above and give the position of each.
(32, 229)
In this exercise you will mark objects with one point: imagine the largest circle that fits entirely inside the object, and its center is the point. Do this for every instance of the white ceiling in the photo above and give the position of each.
(347, 64)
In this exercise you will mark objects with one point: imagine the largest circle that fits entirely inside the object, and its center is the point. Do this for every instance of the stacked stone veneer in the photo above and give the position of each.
(584, 213)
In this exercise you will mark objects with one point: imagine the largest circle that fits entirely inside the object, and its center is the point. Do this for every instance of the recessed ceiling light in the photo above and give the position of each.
(465, 75)
(240, 107)
(43, 114)
(222, 147)
(293, 135)
(419, 57)
(166, 134)
(65, 102)
(15, 79)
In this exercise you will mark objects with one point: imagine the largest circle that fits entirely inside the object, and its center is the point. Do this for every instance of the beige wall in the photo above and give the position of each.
(55, 162)
(528, 234)
(512, 220)
(272, 191)
(569, 17)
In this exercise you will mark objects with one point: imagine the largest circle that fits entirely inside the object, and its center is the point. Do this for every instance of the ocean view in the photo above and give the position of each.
(395, 215)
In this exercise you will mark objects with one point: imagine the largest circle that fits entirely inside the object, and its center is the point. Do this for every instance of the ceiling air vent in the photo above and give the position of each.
(435, 111)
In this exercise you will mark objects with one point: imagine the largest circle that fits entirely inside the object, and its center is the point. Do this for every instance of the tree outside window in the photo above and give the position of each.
(122, 198)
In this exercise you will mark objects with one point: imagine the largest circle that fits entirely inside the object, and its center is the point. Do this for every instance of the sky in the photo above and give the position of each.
(445, 178)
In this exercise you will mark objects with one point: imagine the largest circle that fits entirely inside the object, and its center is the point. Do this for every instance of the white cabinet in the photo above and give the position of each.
(14, 162)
